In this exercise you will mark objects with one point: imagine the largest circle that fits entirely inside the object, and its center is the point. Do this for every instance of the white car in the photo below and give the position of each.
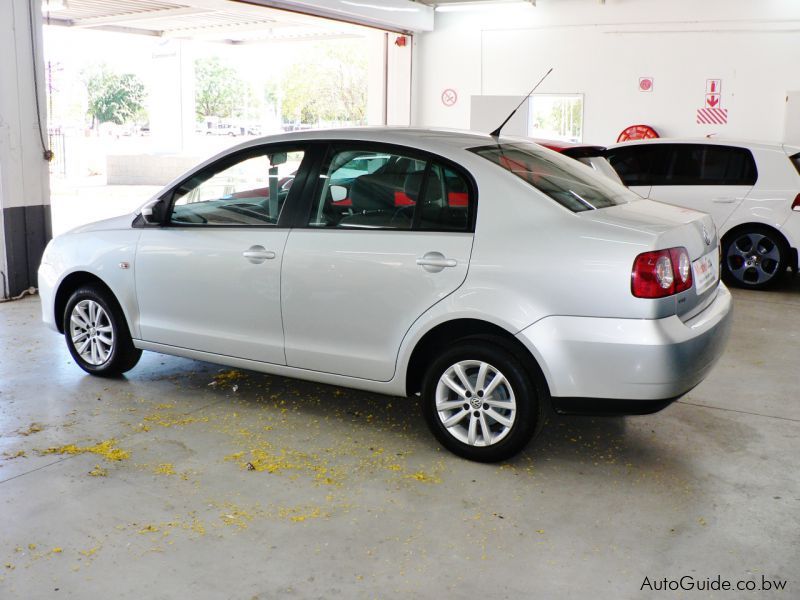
(751, 190)
(490, 276)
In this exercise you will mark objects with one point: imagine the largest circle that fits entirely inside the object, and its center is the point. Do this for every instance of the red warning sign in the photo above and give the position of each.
(646, 84)
(713, 93)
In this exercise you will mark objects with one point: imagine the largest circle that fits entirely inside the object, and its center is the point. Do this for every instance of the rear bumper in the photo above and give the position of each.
(611, 360)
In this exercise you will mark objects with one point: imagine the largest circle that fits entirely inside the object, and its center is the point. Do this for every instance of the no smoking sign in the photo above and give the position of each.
(449, 97)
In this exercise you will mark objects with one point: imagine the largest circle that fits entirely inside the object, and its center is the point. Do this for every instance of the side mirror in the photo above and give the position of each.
(154, 214)
(338, 193)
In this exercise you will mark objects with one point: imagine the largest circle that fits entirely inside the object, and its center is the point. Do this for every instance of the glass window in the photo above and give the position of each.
(556, 116)
(250, 191)
(445, 205)
(559, 177)
(700, 164)
(637, 164)
(384, 190)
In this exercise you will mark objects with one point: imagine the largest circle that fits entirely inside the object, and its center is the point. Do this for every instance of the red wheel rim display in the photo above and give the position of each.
(637, 132)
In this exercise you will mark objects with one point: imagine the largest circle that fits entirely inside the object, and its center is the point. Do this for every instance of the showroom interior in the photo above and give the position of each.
(187, 477)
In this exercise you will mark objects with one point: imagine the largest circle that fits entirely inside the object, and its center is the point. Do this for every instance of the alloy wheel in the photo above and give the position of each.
(91, 332)
(475, 403)
(753, 258)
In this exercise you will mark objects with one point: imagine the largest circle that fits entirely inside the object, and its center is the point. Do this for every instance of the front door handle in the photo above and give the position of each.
(723, 200)
(258, 254)
(435, 262)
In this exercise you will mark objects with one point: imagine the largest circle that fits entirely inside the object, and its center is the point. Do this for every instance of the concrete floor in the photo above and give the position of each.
(351, 497)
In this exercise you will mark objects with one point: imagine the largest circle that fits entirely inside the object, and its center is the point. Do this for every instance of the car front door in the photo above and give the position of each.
(707, 177)
(208, 278)
(356, 275)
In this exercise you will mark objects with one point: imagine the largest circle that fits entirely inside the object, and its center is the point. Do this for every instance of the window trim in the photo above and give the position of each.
(170, 196)
(311, 188)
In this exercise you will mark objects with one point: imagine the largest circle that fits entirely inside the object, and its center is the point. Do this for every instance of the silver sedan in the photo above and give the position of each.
(491, 276)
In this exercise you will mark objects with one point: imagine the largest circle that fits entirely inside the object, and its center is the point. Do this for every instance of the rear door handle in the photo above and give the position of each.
(723, 200)
(258, 254)
(435, 262)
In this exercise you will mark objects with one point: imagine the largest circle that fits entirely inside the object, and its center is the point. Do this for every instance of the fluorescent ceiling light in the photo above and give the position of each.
(378, 7)
(466, 6)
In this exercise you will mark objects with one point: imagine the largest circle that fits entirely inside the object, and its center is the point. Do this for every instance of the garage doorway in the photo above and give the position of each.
(140, 92)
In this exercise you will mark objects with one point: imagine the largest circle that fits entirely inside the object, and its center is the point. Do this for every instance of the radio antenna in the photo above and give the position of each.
(496, 132)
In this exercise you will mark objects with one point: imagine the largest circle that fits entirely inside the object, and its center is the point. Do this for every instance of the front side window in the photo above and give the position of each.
(637, 164)
(385, 190)
(559, 177)
(248, 190)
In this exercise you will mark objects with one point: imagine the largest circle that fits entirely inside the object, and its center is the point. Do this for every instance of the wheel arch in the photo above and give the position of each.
(68, 285)
(448, 332)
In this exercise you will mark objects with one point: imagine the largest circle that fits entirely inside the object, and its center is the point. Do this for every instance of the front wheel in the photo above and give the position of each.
(96, 333)
(480, 402)
(753, 258)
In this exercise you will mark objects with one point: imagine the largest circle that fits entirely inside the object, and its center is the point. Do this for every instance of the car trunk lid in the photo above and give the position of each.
(671, 227)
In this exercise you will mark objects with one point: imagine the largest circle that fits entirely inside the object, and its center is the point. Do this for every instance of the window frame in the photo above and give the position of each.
(312, 184)
(169, 197)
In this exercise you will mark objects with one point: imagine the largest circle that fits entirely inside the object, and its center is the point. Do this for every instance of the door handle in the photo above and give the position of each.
(435, 262)
(723, 200)
(258, 254)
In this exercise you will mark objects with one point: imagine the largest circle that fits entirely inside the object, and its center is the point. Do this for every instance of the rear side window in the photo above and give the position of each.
(370, 189)
(559, 177)
(699, 164)
(683, 164)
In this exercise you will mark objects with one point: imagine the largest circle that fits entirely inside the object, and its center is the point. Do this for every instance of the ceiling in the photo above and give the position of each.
(208, 20)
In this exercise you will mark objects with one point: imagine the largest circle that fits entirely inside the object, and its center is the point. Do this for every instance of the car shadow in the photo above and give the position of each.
(581, 444)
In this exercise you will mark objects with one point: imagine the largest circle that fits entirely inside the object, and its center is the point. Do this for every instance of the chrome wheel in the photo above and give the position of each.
(753, 258)
(91, 332)
(475, 403)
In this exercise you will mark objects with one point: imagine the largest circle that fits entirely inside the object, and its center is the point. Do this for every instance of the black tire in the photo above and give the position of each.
(527, 387)
(123, 356)
(754, 257)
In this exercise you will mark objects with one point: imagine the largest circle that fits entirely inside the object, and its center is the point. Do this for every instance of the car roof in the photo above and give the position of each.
(441, 141)
(714, 141)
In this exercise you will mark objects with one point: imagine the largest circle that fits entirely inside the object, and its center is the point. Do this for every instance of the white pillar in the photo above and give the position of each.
(398, 85)
(24, 177)
(376, 78)
(171, 97)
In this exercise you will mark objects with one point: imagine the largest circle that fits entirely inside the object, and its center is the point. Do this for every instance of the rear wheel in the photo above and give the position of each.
(754, 258)
(480, 402)
(96, 333)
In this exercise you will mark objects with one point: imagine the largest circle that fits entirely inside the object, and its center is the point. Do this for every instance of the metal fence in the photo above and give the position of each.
(58, 166)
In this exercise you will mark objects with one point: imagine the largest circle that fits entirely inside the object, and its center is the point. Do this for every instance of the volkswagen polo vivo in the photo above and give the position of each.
(488, 275)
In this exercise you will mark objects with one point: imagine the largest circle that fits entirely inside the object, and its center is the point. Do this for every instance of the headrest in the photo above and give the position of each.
(372, 192)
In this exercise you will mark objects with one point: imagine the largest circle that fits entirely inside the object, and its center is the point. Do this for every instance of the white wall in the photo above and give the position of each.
(601, 50)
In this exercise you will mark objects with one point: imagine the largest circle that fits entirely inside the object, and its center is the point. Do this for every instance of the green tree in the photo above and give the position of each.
(114, 98)
(331, 87)
(218, 89)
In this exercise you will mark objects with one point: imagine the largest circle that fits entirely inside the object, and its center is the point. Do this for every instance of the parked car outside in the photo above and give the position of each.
(752, 191)
(509, 278)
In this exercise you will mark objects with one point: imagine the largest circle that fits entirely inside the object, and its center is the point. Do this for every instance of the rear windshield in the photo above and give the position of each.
(562, 179)
(796, 161)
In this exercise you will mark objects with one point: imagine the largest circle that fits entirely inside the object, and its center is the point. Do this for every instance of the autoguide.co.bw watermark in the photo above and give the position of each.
(690, 583)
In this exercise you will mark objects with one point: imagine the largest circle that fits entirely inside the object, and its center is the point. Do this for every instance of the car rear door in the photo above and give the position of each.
(356, 276)
(634, 164)
(711, 178)
(208, 278)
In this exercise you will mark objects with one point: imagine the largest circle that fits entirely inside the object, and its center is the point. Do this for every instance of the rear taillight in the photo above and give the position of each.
(661, 273)
(796, 203)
